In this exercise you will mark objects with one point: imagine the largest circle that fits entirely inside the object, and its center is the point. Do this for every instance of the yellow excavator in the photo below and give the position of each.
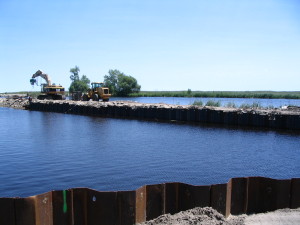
(97, 92)
(51, 91)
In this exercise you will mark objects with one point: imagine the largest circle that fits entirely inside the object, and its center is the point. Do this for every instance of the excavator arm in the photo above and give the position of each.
(40, 74)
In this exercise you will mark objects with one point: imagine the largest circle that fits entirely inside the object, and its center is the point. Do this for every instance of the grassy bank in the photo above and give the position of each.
(254, 105)
(221, 94)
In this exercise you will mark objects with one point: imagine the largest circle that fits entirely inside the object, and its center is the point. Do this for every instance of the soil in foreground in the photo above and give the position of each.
(209, 216)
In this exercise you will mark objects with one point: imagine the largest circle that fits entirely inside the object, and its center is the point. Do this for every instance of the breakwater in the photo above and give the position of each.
(85, 206)
(288, 118)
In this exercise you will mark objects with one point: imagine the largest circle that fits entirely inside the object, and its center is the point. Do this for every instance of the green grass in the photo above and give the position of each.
(213, 103)
(208, 103)
(254, 105)
(221, 94)
(231, 105)
(198, 103)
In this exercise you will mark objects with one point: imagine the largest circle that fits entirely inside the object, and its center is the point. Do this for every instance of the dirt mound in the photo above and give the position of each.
(209, 216)
(196, 216)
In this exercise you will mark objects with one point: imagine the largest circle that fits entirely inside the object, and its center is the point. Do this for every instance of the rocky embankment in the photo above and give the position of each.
(283, 118)
(13, 101)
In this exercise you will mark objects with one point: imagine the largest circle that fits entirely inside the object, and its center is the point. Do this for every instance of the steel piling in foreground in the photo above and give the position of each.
(87, 207)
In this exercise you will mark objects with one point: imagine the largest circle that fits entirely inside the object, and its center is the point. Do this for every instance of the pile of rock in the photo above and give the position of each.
(18, 103)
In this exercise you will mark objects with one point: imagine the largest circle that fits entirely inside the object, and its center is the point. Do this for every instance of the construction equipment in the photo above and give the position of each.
(98, 91)
(52, 91)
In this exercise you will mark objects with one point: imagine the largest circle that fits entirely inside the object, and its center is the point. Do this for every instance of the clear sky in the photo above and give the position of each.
(209, 45)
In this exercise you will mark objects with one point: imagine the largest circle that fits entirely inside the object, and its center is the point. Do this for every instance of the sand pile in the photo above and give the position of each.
(205, 216)
(209, 216)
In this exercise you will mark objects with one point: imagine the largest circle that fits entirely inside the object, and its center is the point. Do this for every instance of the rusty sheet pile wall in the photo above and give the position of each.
(251, 118)
(83, 206)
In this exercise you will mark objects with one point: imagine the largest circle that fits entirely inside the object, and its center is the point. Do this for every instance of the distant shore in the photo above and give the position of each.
(221, 94)
(197, 94)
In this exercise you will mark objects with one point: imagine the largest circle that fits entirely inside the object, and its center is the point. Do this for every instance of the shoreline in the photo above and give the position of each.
(287, 118)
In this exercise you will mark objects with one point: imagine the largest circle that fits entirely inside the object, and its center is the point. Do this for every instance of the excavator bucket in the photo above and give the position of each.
(32, 81)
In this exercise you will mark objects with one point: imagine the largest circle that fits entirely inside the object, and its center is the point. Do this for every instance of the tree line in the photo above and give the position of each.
(118, 83)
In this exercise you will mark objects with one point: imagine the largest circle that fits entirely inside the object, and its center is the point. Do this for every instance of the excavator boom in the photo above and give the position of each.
(41, 74)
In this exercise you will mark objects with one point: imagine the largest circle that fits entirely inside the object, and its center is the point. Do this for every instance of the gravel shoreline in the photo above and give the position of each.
(14, 101)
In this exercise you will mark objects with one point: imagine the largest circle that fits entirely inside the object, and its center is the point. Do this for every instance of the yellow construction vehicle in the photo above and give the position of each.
(52, 91)
(98, 91)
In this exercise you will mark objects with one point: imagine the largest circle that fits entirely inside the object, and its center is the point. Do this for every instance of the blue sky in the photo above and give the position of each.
(209, 45)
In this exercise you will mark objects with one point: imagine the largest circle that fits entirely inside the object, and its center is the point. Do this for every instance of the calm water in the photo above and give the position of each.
(40, 152)
(277, 103)
(224, 101)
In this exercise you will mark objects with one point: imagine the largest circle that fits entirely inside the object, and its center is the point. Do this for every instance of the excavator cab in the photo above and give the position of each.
(96, 85)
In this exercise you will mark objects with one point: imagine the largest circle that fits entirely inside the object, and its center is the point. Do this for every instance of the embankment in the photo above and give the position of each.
(14, 101)
(288, 118)
(85, 206)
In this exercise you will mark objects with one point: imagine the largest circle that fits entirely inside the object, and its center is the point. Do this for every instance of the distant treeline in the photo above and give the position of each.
(221, 94)
(206, 94)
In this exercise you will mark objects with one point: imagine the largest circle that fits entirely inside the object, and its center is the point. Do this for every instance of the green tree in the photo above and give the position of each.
(111, 80)
(85, 80)
(74, 73)
(120, 84)
(78, 84)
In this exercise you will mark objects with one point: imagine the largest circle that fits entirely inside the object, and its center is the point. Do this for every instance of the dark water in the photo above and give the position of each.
(223, 101)
(40, 152)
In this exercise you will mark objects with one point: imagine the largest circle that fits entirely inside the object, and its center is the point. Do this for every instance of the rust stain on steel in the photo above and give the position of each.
(140, 205)
(43, 209)
(228, 199)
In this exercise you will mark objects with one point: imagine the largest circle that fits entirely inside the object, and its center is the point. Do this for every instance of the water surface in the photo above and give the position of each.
(277, 103)
(42, 151)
